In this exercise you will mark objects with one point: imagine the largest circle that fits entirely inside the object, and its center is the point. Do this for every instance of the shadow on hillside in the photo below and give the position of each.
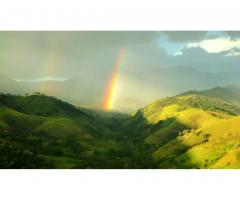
(127, 149)
(158, 136)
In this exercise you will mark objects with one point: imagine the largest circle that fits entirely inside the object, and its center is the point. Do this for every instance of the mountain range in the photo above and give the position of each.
(169, 82)
(194, 129)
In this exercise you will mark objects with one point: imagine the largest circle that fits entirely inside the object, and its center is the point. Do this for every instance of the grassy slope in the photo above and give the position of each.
(54, 131)
(209, 142)
(187, 131)
(39, 105)
(224, 137)
(193, 130)
(191, 118)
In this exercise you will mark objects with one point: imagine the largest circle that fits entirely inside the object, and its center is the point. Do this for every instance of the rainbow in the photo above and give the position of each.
(110, 89)
(49, 70)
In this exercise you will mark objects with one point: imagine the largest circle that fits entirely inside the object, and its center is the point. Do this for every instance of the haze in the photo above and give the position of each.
(76, 66)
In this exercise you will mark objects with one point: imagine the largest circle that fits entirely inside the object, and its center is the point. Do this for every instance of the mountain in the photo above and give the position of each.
(190, 130)
(168, 81)
(37, 131)
(38, 104)
(230, 94)
(173, 80)
(194, 129)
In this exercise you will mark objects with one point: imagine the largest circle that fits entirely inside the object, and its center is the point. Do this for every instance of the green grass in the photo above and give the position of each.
(61, 128)
(187, 119)
(190, 130)
(62, 162)
(15, 119)
(3, 125)
(179, 145)
(222, 137)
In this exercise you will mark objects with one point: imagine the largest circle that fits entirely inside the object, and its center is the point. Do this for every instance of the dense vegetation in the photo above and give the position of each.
(190, 130)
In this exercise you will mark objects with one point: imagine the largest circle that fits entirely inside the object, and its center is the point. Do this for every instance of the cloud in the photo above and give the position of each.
(179, 53)
(43, 79)
(233, 52)
(26, 54)
(233, 34)
(202, 60)
(196, 36)
(217, 45)
(87, 59)
(183, 36)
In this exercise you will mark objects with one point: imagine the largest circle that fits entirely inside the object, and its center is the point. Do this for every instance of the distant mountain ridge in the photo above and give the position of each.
(230, 94)
(167, 82)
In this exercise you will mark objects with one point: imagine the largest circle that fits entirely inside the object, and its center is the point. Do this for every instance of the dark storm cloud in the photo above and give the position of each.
(25, 54)
(28, 52)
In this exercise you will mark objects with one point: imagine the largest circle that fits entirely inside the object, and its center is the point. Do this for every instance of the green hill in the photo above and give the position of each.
(39, 104)
(56, 133)
(190, 130)
(215, 146)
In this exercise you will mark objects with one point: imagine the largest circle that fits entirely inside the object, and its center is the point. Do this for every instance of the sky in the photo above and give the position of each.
(84, 61)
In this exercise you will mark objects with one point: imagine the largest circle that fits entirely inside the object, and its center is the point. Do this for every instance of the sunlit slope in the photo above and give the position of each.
(188, 119)
(164, 119)
(170, 106)
(190, 130)
(206, 147)
(195, 138)
(222, 143)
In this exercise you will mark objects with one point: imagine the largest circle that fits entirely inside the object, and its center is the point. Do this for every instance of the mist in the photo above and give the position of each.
(76, 66)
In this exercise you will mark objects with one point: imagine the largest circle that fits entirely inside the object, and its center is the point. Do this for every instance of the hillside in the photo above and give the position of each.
(49, 133)
(230, 94)
(168, 107)
(190, 130)
(38, 104)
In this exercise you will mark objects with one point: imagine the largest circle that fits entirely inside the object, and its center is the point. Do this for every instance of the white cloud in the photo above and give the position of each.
(179, 53)
(233, 53)
(217, 45)
(48, 78)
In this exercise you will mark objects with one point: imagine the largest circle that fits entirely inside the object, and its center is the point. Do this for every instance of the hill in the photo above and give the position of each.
(54, 133)
(230, 94)
(213, 146)
(39, 104)
(168, 107)
(190, 130)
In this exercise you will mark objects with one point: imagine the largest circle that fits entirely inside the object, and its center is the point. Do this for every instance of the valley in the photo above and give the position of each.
(195, 129)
